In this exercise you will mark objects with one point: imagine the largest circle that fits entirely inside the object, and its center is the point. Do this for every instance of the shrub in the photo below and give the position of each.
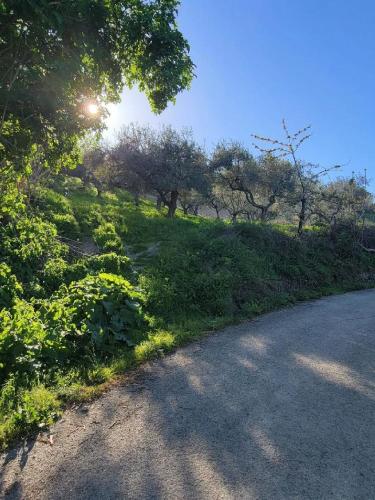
(109, 197)
(26, 245)
(98, 313)
(106, 237)
(34, 337)
(12, 201)
(28, 345)
(108, 263)
(39, 407)
(50, 202)
(115, 216)
(58, 271)
(10, 288)
(105, 309)
(54, 273)
(66, 225)
(88, 216)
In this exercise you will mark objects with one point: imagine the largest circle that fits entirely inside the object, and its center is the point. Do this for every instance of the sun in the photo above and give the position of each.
(92, 108)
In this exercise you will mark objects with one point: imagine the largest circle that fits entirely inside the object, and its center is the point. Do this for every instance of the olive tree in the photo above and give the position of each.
(232, 201)
(262, 181)
(306, 175)
(341, 203)
(166, 162)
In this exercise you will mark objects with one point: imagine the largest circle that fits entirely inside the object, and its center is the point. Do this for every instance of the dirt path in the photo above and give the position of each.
(281, 407)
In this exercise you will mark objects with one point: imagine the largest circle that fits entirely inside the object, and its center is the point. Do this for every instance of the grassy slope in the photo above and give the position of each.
(199, 275)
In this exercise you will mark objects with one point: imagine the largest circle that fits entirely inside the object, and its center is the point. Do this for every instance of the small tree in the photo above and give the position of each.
(191, 200)
(131, 162)
(306, 175)
(262, 181)
(181, 166)
(215, 202)
(94, 168)
(234, 202)
(342, 203)
(166, 162)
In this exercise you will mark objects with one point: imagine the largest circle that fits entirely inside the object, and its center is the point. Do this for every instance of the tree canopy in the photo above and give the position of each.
(62, 61)
(166, 162)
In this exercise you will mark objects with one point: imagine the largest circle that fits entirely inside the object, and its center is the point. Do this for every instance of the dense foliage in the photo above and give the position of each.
(60, 56)
(62, 62)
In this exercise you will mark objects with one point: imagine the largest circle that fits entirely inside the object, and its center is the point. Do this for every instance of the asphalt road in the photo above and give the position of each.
(280, 407)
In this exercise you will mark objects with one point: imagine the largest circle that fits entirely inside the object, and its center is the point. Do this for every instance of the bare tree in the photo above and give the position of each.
(306, 175)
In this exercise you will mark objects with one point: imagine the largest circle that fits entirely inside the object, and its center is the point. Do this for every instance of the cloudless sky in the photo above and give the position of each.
(258, 61)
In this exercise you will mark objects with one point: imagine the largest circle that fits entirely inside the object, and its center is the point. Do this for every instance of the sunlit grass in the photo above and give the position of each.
(198, 275)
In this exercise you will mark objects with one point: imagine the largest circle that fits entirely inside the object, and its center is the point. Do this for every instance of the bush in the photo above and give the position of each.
(106, 237)
(88, 216)
(39, 407)
(113, 214)
(98, 313)
(55, 272)
(10, 288)
(25, 344)
(57, 209)
(12, 201)
(105, 309)
(28, 344)
(26, 245)
(108, 263)
(66, 225)
(50, 202)
(58, 271)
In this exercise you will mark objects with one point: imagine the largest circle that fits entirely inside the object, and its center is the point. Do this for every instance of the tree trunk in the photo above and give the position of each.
(333, 232)
(302, 216)
(172, 205)
(263, 214)
(136, 199)
(158, 202)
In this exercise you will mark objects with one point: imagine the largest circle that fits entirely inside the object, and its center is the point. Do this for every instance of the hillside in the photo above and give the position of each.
(94, 285)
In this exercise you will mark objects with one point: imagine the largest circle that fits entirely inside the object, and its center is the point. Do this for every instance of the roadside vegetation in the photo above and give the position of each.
(93, 286)
(111, 255)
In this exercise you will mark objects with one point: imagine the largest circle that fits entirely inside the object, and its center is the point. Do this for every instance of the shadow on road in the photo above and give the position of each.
(276, 408)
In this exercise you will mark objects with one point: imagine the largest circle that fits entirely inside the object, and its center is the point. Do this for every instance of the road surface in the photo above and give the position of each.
(280, 407)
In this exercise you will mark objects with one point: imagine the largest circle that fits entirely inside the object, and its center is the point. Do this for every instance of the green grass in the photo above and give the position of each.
(196, 275)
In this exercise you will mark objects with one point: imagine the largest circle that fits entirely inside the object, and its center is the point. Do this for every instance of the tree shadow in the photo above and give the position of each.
(281, 407)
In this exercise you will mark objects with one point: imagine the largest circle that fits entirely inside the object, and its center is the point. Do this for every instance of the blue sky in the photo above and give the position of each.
(258, 61)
